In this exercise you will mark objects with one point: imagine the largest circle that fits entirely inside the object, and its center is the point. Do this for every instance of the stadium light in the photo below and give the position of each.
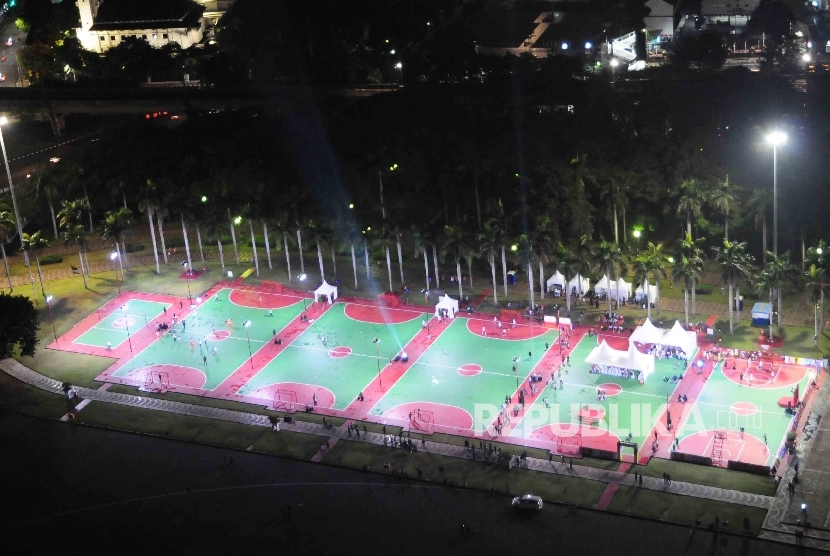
(588, 45)
(237, 220)
(775, 138)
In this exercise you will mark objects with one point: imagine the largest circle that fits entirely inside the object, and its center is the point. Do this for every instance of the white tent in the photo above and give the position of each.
(326, 289)
(620, 289)
(556, 280)
(448, 303)
(680, 338)
(582, 285)
(632, 360)
(602, 285)
(639, 361)
(653, 290)
(647, 333)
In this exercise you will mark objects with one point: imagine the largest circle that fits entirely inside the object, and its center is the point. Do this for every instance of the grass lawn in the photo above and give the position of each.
(19, 396)
(475, 474)
(198, 429)
(707, 475)
(683, 509)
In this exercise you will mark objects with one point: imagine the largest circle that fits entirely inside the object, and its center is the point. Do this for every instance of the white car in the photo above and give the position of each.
(9, 41)
(528, 502)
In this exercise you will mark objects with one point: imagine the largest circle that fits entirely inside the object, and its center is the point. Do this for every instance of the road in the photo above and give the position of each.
(9, 67)
(80, 490)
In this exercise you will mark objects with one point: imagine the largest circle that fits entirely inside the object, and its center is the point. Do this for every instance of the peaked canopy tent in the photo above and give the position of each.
(556, 280)
(326, 289)
(446, 303)
(761, 314)
(647, 333)
(653, 292)
(620, 289)
(579, 284)
(611, 361)
(681, 338)
(603, 286)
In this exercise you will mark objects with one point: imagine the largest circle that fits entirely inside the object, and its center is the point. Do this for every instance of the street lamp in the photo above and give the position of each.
(127, 325)
(246, 324)
(399, 66)
(637, 235)
(18, 221)
(302, 278)
(614, 64)
(775, 138)
(516, 371)
(376, 341)
(51, 317)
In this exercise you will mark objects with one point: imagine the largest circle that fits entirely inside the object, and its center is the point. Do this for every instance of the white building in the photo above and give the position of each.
(728, 12)
(105, 23)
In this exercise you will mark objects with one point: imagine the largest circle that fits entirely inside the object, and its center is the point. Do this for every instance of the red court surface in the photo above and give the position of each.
(192, 275)
(489, 329)
(381, 315)
(441, 413)
(177, 376)
(299, 395)
(735, 446)
(570, 434)
(783, 375)
(470, 369)
(261, 300)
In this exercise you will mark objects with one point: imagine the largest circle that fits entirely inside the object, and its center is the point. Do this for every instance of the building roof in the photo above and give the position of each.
(123, 15)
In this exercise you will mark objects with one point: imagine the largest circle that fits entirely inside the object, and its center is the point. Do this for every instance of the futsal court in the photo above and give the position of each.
(402, 366)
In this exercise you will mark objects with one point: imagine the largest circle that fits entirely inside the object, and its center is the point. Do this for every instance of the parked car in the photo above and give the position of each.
(9, 41)
(528, 502)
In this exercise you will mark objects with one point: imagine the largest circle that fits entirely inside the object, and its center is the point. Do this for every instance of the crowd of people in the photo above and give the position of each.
(611, 370)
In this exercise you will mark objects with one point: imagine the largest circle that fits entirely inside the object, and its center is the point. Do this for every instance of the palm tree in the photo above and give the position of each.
(232, 224)
(615, 191)
(7, 224)
(525, 253)
(545, 244)
(500, 222)
(780, 271)
(149, 205)
(421, 247)
(33, 242)
(70, 216)
(348, 235)
(384, 239)
(75, 234)
(322, 236)
(759, 205)
(571, 266)
(214, 220)
(283, 227)
(489, 241)
(43, 180)
(690, 203)
(688, 271)
(692, 249)
(736, 265)
(610, 258)
(814, 287)
(818, 257)
(118, 225)
(455, 245)
(723, 200)
(651, 260)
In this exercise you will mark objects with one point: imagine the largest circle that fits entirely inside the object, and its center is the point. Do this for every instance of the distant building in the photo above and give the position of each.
(734, 13)
(660, 21)
(105, 23)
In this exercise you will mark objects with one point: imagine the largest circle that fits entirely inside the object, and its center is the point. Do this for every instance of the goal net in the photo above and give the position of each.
(156, 381)
(422, 421)
(569, 444)
(285, 400)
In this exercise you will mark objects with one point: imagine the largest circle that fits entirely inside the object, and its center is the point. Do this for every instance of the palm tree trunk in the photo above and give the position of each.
(686, 304)
(6, 264)
(124, 198)
(40, 274)
(253, 246)
(493, 272)
(731, 329)
(86, 258)
(333, 263)
(160, 220)
(648, 299)
(426, 268)
(320, 260)
(81, 258)
(504, 270)
(821, 308)
(568, 296)
(123, 253)
(389, 268)
(221, 254)
(738, 303)
(616, 229)
(770, 316)
(152, 235)
(530, 283)
(89, 211)
(233, 238)
(458, 277)
(657, 283)
(267, 244)
(400, 254)
(688, 222)
(726, 226)
(366, 258)
(199, 239)
(435, 264)
(694, 295)
(300, 247)
(608, 274)
(186, 244)
(624, 227)
(779, 308)
(354, 265)
(54, 220)
(287, 257)
(541, 280)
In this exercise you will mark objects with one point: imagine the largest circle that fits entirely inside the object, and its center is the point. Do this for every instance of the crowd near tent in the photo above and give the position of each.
(556, 280)
(580, 284)
(647, 333)
(761, 314)
(653, 291)
(326, 289)
(446, 303)
(681, 338)
(620, 289)
(633, 360)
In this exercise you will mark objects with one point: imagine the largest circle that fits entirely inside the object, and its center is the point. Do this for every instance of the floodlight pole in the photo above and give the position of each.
(18, 221)
(127, 325)
(250, 353)
(377, 358)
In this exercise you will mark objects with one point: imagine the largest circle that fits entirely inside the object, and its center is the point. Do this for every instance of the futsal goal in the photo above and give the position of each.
(569, 444)
(156, 381)
(285, 400)
(422, 421)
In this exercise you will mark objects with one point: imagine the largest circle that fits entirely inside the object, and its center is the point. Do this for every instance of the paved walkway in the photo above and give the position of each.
(23, 373)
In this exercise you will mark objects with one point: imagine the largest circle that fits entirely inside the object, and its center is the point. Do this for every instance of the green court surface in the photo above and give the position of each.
(308, 361)
(115, 327)
(634, 409)
(488, 377)
(231, 341)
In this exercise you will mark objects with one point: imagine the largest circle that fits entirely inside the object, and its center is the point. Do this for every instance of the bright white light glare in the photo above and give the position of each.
(4, 120)
(803, 507)
(302, 277)
(125, 306)
(48, 299)
(246, 324)
(588, 45)
(806, 57)
(565, 46)
(809, 44)
(776, 138)
(113, 256)
(819, 250)
(198, 300)
(392, 51)
(399, 65)
(614, 63)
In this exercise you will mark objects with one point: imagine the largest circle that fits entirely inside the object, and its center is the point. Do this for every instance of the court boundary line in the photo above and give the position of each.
(433, 403)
